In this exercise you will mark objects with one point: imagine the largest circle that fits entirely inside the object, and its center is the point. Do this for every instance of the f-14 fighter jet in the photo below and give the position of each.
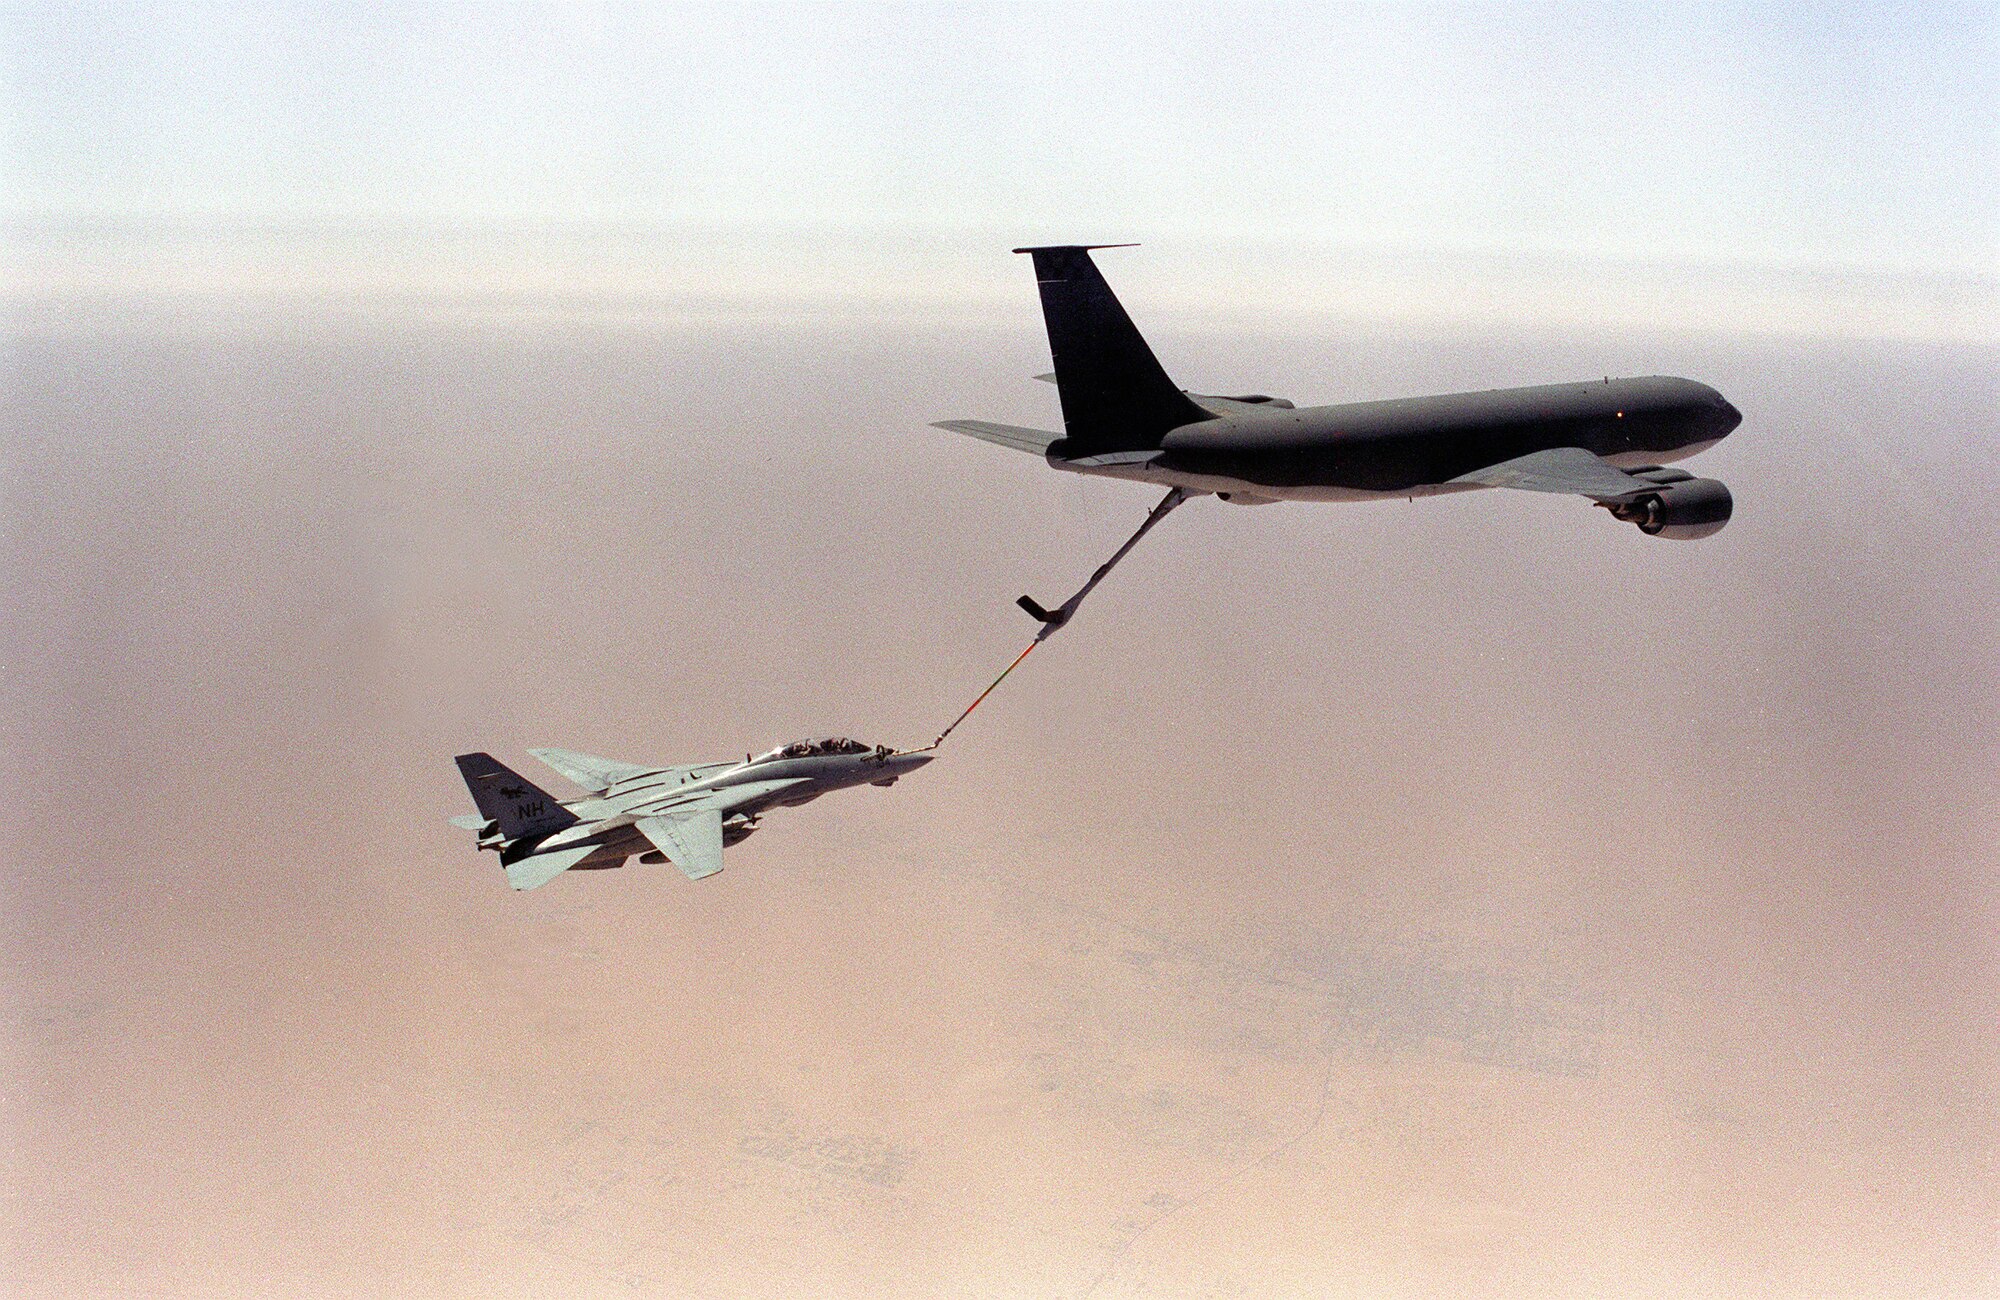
(682, 815)
(1608, 442)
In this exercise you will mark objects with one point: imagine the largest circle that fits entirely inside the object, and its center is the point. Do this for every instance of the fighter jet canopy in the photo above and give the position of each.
(819, 745)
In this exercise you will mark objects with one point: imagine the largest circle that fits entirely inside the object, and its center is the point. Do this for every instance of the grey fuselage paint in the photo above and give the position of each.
(606, 821)
(1415, 446)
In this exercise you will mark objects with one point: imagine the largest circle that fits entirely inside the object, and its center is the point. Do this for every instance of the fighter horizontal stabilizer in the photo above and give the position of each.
(1004, 435)
(589, 771)
(1561, 469)
(471, 822)
(691, 841)
(538, 870)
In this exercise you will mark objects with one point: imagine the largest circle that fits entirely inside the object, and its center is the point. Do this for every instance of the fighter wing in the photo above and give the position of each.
(691, 841)
(1005, 435)
(589, 771)
(1561, 469)
(730, 798)
(680, 803)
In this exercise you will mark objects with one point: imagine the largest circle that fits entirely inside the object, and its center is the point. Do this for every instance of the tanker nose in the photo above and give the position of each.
(1721, 415)
(1727, 416)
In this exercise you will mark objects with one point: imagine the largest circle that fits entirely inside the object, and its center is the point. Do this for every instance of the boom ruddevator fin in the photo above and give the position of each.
(1115, 394)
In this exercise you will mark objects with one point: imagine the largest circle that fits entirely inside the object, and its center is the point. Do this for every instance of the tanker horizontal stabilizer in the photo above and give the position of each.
(1004, 435)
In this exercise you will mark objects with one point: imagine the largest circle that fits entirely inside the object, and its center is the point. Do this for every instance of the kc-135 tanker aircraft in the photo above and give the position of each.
(1605, 440)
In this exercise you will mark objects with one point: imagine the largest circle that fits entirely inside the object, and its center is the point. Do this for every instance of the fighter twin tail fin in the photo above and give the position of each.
(515, 805)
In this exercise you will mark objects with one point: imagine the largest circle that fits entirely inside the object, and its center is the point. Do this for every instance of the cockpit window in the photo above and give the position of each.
(821, 745)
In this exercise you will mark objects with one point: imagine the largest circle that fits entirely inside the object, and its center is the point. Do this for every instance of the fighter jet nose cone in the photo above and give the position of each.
(915, 761)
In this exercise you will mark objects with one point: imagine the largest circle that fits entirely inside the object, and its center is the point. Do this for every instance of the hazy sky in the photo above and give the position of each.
(1793, 167)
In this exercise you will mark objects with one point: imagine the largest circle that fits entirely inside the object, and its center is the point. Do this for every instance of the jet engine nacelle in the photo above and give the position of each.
(1682, 510)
